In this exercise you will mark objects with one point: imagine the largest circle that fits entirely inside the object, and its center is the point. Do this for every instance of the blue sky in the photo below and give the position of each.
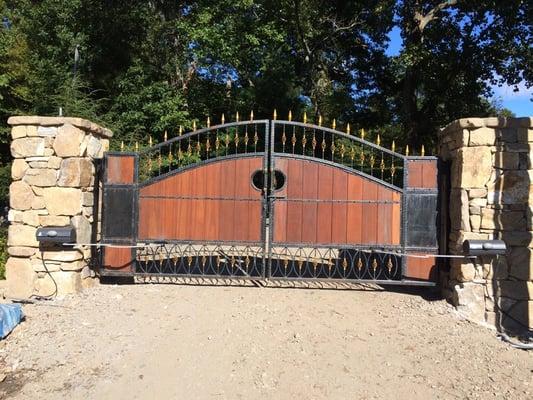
(518, 102)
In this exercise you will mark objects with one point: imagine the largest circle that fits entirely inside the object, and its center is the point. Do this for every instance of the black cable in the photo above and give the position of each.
(54, 294)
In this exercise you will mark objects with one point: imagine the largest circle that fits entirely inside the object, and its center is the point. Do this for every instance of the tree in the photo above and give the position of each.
(146, 67)
(453, 50)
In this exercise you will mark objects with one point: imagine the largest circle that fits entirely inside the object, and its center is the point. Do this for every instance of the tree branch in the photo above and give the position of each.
(299, 27)
(338, 29)
(423, 20)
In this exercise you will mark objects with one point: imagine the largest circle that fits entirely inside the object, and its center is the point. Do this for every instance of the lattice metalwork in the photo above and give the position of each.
(330, 145)
(333, 263)
(207, 260)
(200, 145)
(238, 261)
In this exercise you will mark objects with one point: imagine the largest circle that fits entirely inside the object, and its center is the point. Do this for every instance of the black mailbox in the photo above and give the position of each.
(484, 247)
(59, 234)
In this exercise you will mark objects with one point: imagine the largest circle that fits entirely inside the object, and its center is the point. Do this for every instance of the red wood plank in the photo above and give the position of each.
(325, 192)
(396, 219)
(118, 259)
(424, 269)
(187, 211)
(120, 169)
(310, 208)
(339, 207)
(212, 210)
(370, 212)
(384, 215)
(227, 207)
(254, 219)
(429, 174)
(242, 191)
(355, 210)
(414, 171)
(279, 227)
(294, 208)
(254, 207)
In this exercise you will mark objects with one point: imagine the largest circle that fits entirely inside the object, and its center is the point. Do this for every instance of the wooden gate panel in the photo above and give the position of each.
(322, 204)
(204, 203)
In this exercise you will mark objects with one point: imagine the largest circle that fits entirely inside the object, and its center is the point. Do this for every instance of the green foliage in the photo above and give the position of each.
(75, 98)
(5, 180)
(148, 67)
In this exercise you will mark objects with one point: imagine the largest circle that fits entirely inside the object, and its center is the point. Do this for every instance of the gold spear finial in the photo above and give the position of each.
(320, 120)
(223, 119)
(237, 118)
(363, 133)
(290, 115)
(122, 146)
(348, 128)
(393, 146)
(423, 151)
(275, 114)
(305, 117)
(166, 136)
(136, 146)
(378, 140)
(407, 150)
(252, 115)
(208, 121)
(180, 130)
(334, 124)
(194, 125)
(150, 140)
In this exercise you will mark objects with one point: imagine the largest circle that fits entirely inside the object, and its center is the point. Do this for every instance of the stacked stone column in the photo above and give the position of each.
(53, 174)
(491, 197)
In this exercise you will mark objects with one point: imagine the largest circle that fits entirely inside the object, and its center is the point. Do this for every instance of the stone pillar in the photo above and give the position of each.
(491, 198)
(53, 174)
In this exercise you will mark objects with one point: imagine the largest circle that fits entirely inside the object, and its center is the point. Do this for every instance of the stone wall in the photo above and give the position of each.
(53, 174)
(491, 197)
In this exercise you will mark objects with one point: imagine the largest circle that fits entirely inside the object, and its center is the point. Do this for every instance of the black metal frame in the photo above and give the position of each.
(315, 261)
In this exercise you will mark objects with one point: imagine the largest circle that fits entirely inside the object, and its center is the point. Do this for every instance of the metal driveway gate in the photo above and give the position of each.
(270, 199)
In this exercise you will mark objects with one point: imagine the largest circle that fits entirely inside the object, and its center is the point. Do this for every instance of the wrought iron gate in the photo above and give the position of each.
(270, 199)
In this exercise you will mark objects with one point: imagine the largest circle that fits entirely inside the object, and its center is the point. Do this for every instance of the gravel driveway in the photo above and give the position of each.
(172, 341)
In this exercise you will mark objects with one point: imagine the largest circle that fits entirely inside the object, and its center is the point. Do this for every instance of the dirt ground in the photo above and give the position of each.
(218, 342)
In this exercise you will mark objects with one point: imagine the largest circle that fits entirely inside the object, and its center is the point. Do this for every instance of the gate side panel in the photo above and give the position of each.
(211, 202)
(118, 212)
(421, 195)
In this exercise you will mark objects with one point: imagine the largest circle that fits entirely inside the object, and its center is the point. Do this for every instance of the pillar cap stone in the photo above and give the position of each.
(490, 122)
(58, 121)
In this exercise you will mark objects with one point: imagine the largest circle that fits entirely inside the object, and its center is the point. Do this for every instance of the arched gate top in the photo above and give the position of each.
(271, 138)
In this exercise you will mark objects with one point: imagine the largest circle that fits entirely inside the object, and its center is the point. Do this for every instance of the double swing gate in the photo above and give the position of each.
(270, 199)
